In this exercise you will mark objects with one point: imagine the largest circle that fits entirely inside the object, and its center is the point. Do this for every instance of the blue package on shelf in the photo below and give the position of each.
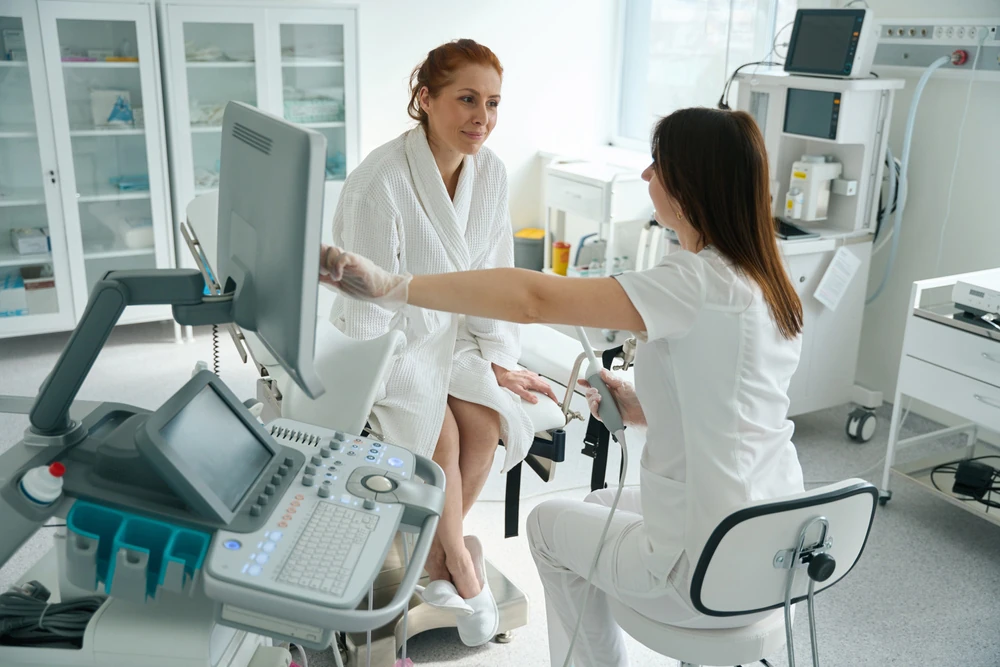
(130, 556)
(128, 183)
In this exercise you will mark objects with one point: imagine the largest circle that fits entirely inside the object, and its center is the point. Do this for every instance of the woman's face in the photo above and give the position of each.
(462, 116)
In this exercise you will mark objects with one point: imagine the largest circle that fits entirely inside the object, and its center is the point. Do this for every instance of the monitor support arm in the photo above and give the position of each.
(181, 288)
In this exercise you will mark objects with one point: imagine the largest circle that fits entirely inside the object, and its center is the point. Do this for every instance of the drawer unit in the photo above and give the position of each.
(951, 348)
(574, 197)
(970, 399)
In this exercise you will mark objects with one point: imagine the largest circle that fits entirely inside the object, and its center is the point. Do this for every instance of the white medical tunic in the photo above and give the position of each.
(712, 377)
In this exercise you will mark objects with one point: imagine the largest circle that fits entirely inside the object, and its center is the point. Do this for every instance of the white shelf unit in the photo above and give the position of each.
(269, 53)
(69, 166)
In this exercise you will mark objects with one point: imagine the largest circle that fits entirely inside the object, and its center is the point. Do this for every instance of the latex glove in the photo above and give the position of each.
(523, 383)
(624, 395)
(360, 278)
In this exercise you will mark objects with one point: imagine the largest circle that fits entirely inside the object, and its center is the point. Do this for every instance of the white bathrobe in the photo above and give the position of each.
(395, 210)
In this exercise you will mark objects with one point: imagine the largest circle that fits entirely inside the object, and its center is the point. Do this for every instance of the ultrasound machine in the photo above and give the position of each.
(195, 535)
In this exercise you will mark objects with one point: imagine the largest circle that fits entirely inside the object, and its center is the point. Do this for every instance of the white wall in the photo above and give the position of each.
(972, 236)
(558, 60)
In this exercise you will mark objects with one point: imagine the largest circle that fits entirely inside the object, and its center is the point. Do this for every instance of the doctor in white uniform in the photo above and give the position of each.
(719, 324)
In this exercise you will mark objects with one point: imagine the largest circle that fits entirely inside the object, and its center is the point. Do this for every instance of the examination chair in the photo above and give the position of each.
(766, 556)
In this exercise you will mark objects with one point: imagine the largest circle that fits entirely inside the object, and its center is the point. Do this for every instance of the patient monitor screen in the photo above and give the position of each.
(823, 43)
(217, 446)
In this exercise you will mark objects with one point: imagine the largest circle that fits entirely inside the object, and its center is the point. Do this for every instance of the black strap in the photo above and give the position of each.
(512, 501)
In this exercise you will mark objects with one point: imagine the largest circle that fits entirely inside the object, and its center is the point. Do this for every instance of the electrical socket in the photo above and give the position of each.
(916, 43)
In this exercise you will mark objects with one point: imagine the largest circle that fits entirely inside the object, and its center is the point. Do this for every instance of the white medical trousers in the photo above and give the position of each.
(563, 535)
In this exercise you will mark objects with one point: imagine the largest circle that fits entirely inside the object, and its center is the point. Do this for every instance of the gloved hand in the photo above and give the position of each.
(360, 278)
(624, 395)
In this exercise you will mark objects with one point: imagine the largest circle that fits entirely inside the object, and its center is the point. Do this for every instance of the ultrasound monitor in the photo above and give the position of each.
(271, 184)
(207, 447)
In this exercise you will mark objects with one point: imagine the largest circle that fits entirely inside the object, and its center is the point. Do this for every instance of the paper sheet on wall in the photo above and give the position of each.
(837, 278)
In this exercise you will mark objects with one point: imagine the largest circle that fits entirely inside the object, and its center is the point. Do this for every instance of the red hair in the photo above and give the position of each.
(438, 70)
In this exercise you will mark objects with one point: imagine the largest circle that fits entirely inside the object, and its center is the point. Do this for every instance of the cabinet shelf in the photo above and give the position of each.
(13, 131)
(110, 193)
(93, 253)
(324, 124)
(107, 132)
(22, 197)
(10, 257)
(222, 64)
(331, 62)
(74, 64)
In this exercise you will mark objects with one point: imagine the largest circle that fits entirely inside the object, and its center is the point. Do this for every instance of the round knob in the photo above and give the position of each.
(276, 480)
(369, 504)
(335, 445)
(255, 510)
(378, 484)
(326, 452)
(316, 461)
(324, 492)
(310, 470)
(282, 470)
(269, 489)
(262, 500)
(821, 567)
(307, 480)
(339, 437)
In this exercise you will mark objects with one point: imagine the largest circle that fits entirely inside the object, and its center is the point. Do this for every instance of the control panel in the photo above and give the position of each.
(326, 537)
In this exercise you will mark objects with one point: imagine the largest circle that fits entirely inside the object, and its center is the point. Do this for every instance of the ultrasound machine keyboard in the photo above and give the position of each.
(328, 549)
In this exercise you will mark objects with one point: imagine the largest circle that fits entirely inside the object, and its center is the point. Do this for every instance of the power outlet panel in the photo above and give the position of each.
(918, 43)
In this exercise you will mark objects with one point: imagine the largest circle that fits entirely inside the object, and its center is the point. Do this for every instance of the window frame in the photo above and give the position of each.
(626, 8)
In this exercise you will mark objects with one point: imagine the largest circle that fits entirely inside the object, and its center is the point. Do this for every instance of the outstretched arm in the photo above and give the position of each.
(514, 295)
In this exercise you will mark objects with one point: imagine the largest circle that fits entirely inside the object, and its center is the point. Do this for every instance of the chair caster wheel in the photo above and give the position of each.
(884, 497)
(504, 637)
(861, 425)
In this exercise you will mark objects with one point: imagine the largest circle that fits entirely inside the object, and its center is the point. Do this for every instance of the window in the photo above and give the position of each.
(679, 53)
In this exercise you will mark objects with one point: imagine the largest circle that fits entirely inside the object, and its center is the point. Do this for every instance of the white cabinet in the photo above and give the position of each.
(295, 60)
(29, 188)
(90, 159)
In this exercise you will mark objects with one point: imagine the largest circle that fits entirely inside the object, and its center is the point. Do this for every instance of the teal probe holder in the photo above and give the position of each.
(129, 556)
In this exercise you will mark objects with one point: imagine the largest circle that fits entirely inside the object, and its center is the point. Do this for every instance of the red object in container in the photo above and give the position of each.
(57, 469)
(959, 57)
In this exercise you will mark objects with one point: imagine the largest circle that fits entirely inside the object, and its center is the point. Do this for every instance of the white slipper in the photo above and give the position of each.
(484, 623)
(442, 594)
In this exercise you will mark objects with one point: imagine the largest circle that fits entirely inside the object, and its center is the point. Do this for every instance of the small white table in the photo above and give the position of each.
(953, 363)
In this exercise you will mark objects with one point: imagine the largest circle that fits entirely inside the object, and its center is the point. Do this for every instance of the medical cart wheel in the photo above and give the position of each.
(504, 637)
(884, 497)
(861, 425)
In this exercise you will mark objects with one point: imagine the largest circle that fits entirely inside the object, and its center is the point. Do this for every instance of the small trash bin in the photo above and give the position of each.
(529, 248)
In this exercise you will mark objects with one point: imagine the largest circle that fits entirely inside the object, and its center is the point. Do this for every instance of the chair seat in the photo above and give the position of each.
(544, 415)
(724, 647)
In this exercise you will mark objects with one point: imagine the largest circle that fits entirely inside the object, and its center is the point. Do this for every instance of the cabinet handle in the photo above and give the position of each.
(987, 401)
(991, 357)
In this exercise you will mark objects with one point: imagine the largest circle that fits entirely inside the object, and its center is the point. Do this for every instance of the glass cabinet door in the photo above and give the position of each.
(314, 64)
(35, 291)
(108, 125)
(312, 86)
(220, 66)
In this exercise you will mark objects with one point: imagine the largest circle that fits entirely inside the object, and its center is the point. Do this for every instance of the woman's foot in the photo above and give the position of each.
(436, 564)
(482, 624)
(463, 573)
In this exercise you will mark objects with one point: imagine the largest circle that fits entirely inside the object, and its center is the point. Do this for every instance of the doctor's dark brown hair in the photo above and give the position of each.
(439, 68)
(714, 164)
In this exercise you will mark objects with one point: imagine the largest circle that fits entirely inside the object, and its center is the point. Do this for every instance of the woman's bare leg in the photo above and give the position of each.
(478, 436)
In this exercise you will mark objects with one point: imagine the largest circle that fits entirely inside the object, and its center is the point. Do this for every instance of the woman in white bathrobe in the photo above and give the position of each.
(434, 200)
